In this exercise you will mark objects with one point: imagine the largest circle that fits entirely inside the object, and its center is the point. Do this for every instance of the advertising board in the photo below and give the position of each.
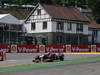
(26, 48)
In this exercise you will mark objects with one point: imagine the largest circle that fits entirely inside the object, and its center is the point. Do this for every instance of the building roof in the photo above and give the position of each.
(66, 13)
(19, 13)
(3, 15)
(94, 25)
(88, 12)
(9, 19)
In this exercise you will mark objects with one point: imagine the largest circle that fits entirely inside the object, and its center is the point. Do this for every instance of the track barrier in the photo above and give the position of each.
(48, 48)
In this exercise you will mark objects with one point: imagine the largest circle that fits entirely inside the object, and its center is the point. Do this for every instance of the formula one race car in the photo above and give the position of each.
(49, 57)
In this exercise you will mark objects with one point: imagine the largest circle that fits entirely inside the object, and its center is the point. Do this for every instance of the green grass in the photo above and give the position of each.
(50, 64)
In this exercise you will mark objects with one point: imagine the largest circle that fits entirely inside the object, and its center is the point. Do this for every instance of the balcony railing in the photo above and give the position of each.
(11, 28)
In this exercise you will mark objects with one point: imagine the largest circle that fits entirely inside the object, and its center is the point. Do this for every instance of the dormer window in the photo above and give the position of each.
(38, 11)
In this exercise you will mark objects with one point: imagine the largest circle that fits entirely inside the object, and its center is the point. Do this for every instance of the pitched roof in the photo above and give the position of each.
(93, 23)
(3, 15)
(67, 13)
(88, 12)
(19, 13)
(9, 19)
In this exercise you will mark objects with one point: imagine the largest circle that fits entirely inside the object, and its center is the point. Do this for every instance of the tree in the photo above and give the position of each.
(96, 11)
(46, 1)
(2, 2)
(23, 2)
(31, 2)
(58, 2)
(93, 4)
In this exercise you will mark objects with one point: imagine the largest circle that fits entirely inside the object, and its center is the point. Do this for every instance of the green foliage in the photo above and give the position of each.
(93, 4)
(59, 2)
(96, 11)
(23, 2)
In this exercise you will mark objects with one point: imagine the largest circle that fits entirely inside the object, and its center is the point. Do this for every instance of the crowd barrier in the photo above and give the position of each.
(47, 48)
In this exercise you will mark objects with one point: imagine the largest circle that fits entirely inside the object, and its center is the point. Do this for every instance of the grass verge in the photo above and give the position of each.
(49, 64)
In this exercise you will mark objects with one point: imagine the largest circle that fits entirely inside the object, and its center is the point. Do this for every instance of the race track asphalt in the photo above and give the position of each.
(26, 58)
(72, 69)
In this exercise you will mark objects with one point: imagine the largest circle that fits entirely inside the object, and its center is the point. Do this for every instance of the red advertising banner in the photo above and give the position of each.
(97, 48)
(80, 48)
(55, 48)
(48, 48)
(5, 48)
(27, 49)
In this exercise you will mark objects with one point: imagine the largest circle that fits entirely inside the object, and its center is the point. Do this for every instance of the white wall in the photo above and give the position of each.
(28, 27)
(90, 35)
(85, 28)
(51, 26)
(73, 28)
(39, 28)
(39, 19)
(98, 38)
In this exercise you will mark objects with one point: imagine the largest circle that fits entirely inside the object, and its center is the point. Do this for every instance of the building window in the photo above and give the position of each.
(69, 26)
(33, 26)
(95, 33)
(60, 25)
(44, 25)
(79, 27)
(38, 11)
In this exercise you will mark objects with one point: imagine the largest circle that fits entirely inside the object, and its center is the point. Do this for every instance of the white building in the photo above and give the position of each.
(94, 28)
(10, 29)
(52, 24)
(94, 33)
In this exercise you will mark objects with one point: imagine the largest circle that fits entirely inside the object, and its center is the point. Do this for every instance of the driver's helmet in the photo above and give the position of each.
(41, 56)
